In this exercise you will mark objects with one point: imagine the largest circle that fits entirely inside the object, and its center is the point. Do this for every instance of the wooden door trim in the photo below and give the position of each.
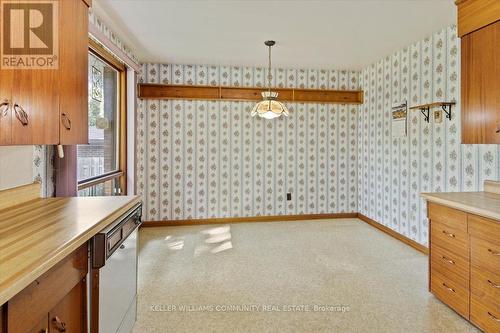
(123, 131)
(102, 53)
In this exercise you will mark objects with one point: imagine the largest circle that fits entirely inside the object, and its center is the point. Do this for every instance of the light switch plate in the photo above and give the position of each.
(438, 116)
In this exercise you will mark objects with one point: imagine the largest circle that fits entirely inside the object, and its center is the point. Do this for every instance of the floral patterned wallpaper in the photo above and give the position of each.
(393, 172)
(206, 159)
(43, 168)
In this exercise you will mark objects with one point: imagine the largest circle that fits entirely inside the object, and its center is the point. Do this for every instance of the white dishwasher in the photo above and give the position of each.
(114, 276)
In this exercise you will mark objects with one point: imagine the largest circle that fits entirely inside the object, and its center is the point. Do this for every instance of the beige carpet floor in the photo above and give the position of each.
(305, 276)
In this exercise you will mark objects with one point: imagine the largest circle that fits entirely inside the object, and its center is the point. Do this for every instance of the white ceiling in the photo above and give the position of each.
(347, 34)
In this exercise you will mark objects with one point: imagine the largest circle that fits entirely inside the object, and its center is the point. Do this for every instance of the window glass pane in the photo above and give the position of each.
(110, 187)
(100, 156)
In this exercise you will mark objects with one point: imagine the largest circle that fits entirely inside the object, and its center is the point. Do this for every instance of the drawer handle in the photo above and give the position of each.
(450, 289)
(493, 252)
(66, 121)
(449, 234)
(493, 317)
(498, 129)
(60, 325)
(5, 106)
(494, 285)
(21, 115)
(448, 260)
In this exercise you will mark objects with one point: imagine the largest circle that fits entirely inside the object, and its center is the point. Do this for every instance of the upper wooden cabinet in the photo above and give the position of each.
(476, 14)
(479, 28)
(6, 77)
(49, 106)
(73, 64)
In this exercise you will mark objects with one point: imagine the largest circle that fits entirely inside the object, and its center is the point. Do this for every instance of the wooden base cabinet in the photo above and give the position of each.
(464, 264)
(449, 258)
(55, 302)
(67, 316)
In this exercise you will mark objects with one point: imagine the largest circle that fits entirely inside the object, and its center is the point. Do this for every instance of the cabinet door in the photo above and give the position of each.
(481, 86)
(45, 293)
(5, 106)
(69, 314)
(42, 326)
(73, 64)
(34, 91)
(35, 118)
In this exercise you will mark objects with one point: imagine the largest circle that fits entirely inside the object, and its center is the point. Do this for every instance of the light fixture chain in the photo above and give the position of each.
(269, 77)
(269, 107)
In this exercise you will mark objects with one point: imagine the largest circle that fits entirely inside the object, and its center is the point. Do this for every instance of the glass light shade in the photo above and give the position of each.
(269, 107)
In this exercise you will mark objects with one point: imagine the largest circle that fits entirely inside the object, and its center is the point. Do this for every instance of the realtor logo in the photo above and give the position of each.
(29, 34)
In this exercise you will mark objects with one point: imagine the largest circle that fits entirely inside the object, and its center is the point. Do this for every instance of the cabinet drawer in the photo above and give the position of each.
(450, 293)
(450, 265)
(26, 308)
(448, 216)
(454, 239)
(485, 287)
(482, 316)
(485, 254)
(484, 228)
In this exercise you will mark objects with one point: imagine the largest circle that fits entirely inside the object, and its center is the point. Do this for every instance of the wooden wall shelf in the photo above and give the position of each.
(432, 105)
(167, 91)
(425, 108)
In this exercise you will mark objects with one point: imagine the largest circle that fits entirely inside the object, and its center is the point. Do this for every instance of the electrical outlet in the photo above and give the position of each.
(288, 196)
(438, 116)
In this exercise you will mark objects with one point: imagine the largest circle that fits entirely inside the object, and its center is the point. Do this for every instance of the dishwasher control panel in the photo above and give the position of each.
(106, 242)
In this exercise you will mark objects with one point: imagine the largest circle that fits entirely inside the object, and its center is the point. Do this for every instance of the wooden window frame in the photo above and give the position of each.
(121, 174)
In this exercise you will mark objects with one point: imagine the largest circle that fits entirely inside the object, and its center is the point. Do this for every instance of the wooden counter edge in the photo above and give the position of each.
(460, 206)
(63, 251)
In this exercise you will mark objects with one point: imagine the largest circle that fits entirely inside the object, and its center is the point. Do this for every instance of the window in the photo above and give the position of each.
(101, 165)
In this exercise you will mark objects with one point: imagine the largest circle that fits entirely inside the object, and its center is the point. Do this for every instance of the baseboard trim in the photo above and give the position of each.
(390, 232)
(245, 219)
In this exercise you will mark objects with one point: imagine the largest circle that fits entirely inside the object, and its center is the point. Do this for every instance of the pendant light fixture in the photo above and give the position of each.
(269, 107)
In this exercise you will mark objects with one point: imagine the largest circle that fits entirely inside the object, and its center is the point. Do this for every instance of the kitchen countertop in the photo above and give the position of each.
(36, 235)
(486, 204)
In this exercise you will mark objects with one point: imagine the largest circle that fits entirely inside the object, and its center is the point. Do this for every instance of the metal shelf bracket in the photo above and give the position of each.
(448, 112)
(426, 111)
